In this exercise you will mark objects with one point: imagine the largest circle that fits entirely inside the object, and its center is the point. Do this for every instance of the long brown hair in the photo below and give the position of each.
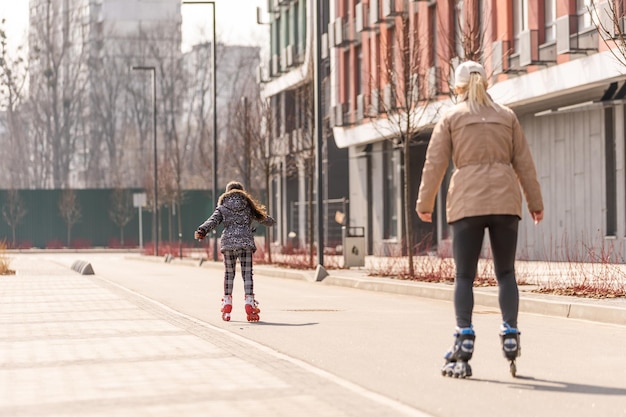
(259, 211)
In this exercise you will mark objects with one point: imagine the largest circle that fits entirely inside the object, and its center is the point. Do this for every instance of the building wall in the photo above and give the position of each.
(535, 66)
(359, 162)
(540, 63)
(570, 154)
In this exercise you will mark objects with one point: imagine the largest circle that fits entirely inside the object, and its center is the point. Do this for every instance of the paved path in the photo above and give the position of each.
(74, 345)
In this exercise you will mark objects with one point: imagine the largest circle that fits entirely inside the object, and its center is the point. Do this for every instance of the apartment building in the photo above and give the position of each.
(546, 60)
(288, 85)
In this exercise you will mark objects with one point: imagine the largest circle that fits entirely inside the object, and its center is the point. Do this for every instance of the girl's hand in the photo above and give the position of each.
(537, 216)
(199, 235)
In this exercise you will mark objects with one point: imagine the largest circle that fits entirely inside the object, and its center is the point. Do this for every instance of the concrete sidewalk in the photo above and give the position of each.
(78, 345)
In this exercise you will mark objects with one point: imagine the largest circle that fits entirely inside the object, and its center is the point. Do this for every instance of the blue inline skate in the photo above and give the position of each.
(460, 353)
(509, 336)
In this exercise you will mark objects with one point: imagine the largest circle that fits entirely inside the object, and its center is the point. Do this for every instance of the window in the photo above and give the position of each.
(393, 52)
(391, 165)
(458, 14)
(584, 17)
(286, 29)
(549, 20)
(296, 28)
(276, 26)
(432, 16)
(357, 69)
(520, 21)
(611, 180)
(344, 92)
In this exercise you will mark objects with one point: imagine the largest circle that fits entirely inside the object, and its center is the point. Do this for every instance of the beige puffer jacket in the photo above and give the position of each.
(491, 159)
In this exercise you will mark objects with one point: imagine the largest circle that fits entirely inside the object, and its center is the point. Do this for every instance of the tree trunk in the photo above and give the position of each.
(309, 170)
(268, 232)
(407, 207)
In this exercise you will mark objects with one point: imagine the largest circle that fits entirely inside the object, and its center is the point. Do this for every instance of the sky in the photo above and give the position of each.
(236, 22)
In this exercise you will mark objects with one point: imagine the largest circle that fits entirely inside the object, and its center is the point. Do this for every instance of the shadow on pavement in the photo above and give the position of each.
(537, 384)
(269, 323)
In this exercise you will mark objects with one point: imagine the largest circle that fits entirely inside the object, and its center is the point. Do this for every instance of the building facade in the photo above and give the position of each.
(546, 59)
(288, 81)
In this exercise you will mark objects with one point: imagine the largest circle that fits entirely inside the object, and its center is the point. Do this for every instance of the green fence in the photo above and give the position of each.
(42, 225)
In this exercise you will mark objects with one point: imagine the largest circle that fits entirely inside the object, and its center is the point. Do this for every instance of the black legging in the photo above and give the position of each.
(467, 240)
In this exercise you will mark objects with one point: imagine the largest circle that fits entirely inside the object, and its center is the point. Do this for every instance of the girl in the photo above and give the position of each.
(237, 209)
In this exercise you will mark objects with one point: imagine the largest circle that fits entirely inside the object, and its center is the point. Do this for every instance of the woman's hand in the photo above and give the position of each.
(537, 216)
(425, 217)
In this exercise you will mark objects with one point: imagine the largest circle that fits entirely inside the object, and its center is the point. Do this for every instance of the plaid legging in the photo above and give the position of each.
(230, 262)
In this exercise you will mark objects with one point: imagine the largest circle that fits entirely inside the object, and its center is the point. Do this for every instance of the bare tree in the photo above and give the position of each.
(608, 17)
(58, 103)
(169, 192)
(239, 148)
(305, 152)
(198, 130)
(411, 86)
(13, 74)
(253, 127)
(70, 211)
(13, 211)
(172, 85)
(109, 121)
(264, 157)
(121, 211)
(239, 85)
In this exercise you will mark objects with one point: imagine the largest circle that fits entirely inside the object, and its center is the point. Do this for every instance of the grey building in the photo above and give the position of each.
(288, 85)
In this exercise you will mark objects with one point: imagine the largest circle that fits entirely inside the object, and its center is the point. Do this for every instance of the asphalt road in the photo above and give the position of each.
(392, 345)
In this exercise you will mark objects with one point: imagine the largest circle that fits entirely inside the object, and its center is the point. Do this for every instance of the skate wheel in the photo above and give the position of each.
(226, 316)
(462, 370)
(513, 369)
(252, 312)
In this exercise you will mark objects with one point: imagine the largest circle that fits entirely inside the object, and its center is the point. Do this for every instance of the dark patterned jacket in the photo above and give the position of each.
(235, 212)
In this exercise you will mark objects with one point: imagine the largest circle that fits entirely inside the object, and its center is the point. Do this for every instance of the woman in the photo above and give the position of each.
(491, 159)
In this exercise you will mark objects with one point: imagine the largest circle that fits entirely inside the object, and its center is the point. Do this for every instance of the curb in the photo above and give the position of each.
(528, 304)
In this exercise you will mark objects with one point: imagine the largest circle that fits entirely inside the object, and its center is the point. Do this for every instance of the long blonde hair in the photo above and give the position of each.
(475, 93)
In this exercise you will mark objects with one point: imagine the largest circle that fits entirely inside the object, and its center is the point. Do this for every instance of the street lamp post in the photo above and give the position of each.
(155, 222)
(319, 137)
(214, 88)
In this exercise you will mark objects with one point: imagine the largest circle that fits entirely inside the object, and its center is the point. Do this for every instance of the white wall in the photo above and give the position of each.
(359, 208)
(568, 149)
